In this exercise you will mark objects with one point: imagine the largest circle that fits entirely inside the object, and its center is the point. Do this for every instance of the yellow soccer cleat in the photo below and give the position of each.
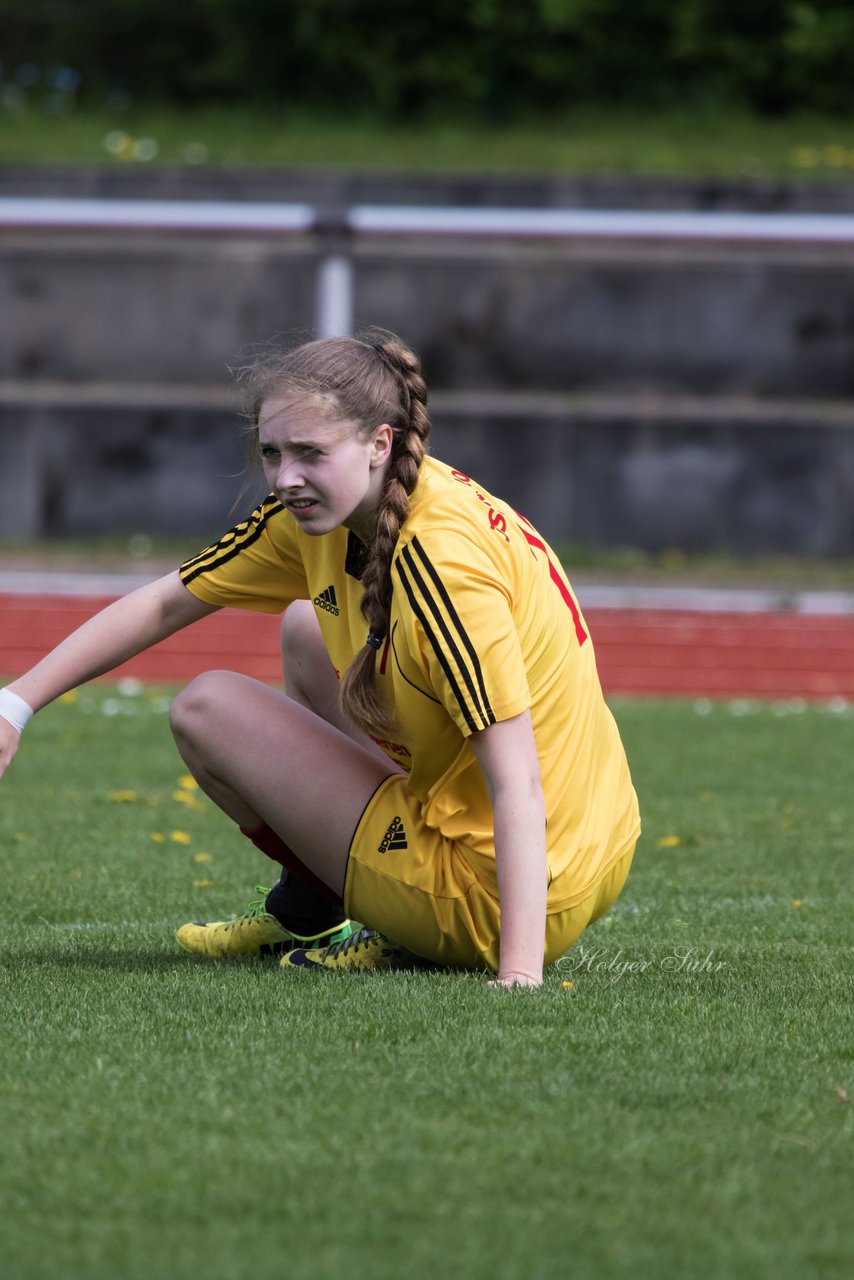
(256, 933)
(363, 951)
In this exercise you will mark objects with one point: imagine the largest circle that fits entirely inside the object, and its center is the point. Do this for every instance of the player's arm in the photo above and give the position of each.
(123, 629)
(507, 755)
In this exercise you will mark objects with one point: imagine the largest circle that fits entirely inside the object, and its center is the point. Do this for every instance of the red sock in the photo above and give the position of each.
(265, 839)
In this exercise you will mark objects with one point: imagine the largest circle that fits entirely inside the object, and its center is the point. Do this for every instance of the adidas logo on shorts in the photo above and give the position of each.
(394, 838)
(326, 600)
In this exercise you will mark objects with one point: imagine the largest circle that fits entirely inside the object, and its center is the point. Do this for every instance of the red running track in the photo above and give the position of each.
(640, 651)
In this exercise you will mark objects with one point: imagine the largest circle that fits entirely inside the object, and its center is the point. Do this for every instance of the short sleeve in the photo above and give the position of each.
(256, 565)
(459, 612)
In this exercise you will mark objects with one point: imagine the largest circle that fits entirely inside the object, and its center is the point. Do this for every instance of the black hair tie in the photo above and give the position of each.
(376, 642)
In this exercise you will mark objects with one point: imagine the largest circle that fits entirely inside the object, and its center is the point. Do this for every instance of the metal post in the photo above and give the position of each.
(334, 290)
(334, 300)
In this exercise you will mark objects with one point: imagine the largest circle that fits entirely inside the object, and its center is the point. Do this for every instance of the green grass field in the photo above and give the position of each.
(673, 1102)
(711, 143)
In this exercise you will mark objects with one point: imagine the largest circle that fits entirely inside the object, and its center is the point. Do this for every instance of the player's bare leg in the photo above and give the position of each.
(265, 758)
(310, 680)
(292, 912)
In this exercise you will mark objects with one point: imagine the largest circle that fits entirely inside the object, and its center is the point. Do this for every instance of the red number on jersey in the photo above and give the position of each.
(537, 544)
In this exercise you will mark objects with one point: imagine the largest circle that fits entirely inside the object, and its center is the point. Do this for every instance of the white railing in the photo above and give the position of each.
(335, 229)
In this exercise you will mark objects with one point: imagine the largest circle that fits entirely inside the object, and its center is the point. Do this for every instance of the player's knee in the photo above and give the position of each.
(195, 708)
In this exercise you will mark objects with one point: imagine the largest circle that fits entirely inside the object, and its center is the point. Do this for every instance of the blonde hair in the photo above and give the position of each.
(371, 380)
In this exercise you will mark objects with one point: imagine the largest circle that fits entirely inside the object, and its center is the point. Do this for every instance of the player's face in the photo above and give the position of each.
(322, 469)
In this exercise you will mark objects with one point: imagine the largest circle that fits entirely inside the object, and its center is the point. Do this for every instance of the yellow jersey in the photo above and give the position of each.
(484, 625)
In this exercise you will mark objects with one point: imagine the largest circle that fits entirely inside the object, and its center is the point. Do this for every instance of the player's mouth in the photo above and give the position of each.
(301, 506)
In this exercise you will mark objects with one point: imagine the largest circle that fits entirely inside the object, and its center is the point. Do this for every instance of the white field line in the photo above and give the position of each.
(715, 599)
(591, 595)
(25, 582)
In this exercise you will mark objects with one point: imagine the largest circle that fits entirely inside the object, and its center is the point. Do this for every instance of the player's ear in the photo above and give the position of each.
(381, 443)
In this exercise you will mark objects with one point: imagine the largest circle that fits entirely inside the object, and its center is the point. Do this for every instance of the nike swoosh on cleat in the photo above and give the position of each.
(300, 958)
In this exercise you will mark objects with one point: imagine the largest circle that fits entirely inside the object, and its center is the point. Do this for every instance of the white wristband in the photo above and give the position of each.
(14, 709)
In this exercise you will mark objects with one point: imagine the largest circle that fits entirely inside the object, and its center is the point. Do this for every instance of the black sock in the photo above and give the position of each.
(301, 910)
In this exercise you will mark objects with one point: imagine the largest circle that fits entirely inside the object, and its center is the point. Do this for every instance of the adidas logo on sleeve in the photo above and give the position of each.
(394, 838)
(328, 601)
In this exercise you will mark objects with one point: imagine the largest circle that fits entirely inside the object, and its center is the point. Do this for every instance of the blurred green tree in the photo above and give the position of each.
(410, 59)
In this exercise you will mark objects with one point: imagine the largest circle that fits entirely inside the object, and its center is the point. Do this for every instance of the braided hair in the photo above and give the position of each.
(367, 381)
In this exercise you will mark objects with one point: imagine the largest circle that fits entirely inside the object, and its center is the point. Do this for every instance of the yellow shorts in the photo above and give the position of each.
(413, 884)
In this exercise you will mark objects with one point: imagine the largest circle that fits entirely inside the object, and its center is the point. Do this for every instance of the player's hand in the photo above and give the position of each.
(516, 980)
(10, 740)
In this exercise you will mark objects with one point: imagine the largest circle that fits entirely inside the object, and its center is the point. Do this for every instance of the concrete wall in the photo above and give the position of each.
(617, 471)
(340, 187)
(552, 317)
(625, 394)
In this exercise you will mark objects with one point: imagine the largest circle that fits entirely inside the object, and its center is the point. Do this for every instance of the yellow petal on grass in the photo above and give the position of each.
(202, 884)
(187, 782)
(797, 902)
(668, 842)
(187, 798)
(202, 857)
(69, 698)
(123, 797)
(568, 986)
(158, 837)
(181, 837)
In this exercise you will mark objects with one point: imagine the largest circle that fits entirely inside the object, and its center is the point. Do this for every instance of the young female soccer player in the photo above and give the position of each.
(442, 765)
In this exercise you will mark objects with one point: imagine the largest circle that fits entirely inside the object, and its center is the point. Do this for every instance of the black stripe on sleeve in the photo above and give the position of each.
(440, 654)
(436, 625)
(232, 543)
(461, 631)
